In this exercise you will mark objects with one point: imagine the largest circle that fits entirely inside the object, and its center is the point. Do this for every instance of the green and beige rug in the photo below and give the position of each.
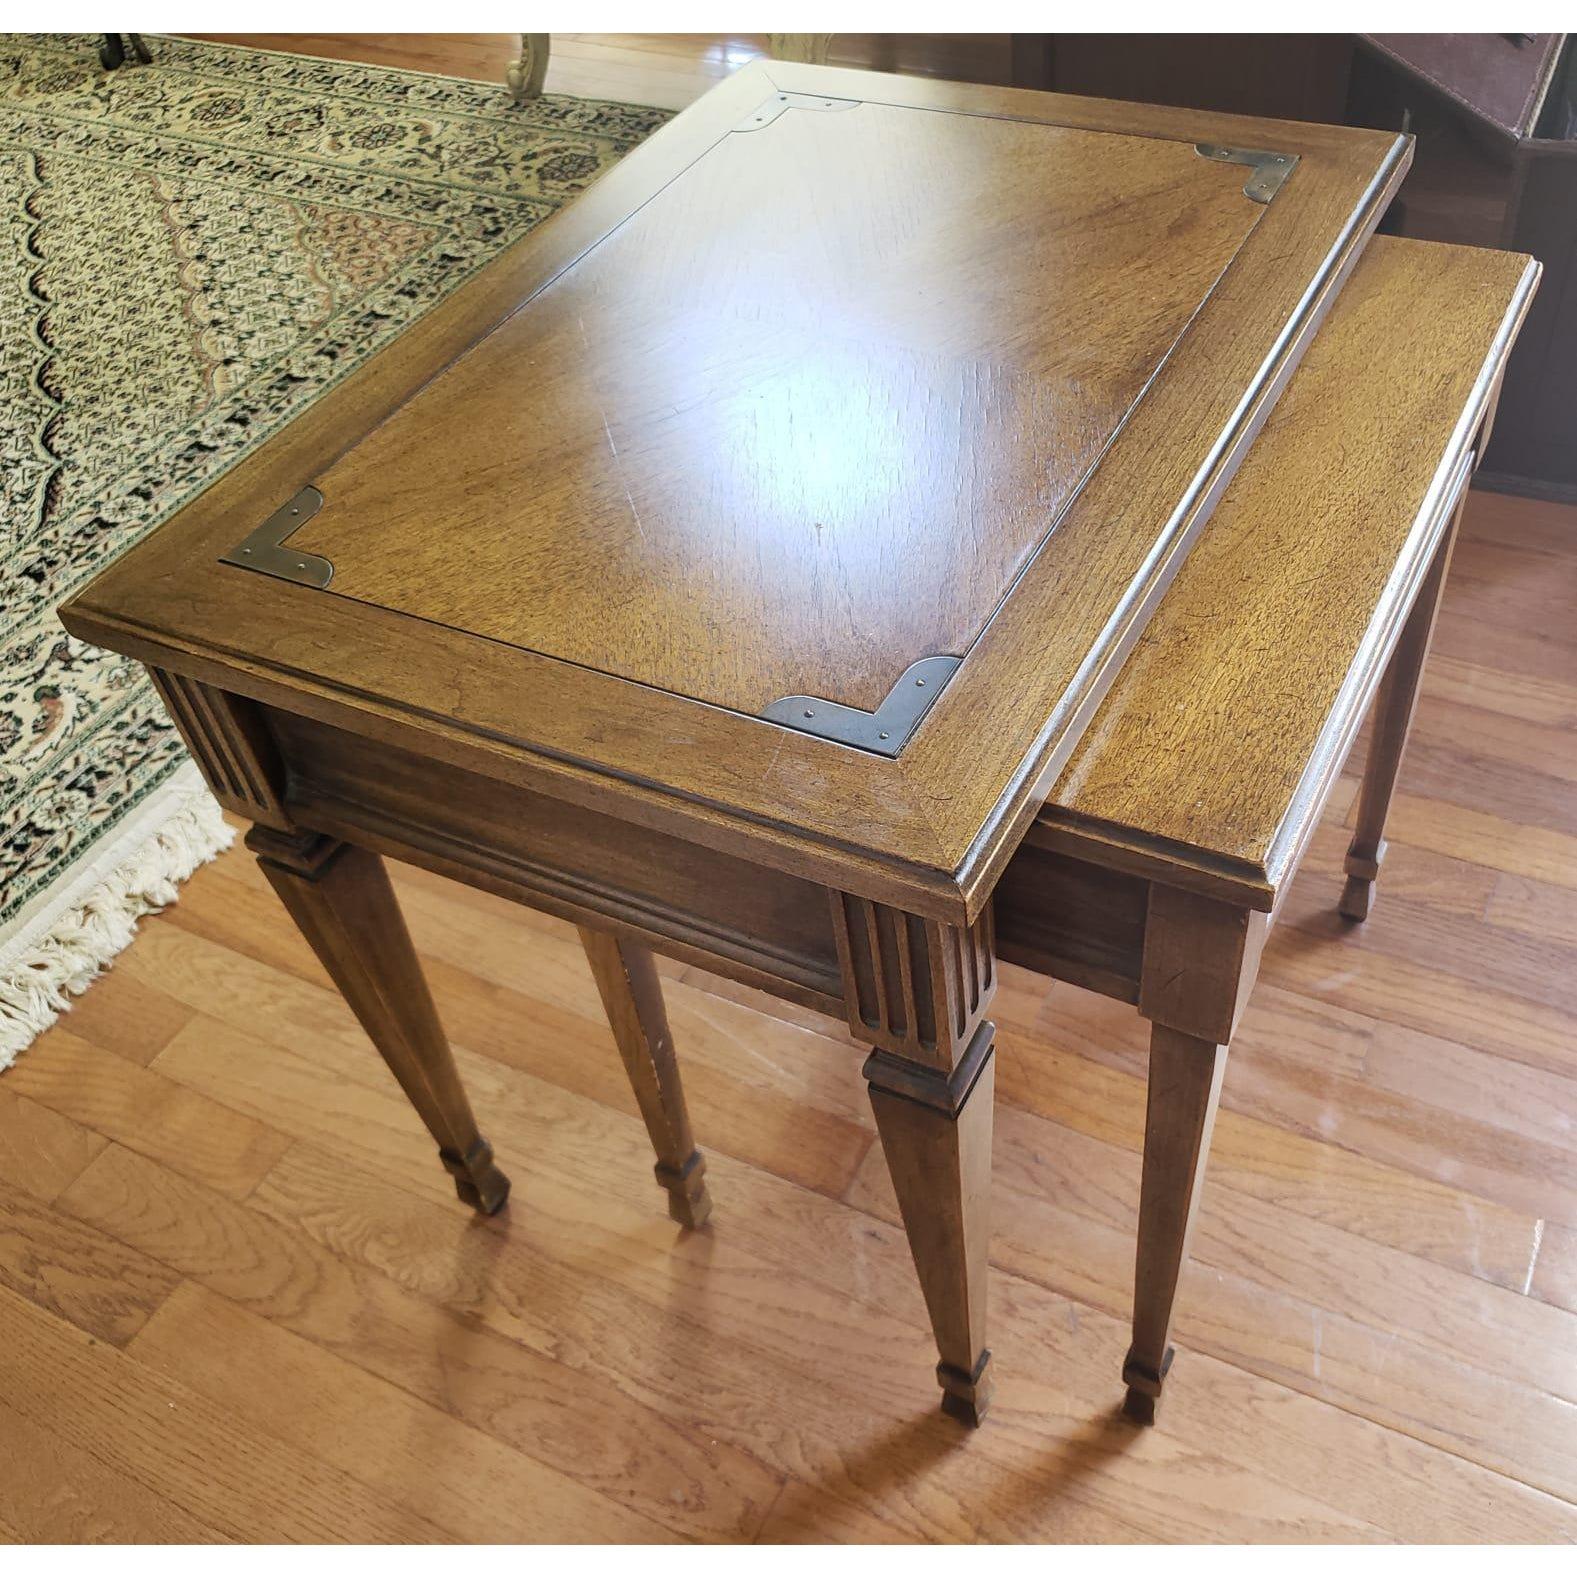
(197, 250)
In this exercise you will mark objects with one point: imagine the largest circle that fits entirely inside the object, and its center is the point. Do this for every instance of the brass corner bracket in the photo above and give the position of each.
(264, 549)
(768, 111)
(1270, 169)
(885, 731)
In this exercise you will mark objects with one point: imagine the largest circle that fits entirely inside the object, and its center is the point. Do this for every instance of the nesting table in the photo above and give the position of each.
(766, 562)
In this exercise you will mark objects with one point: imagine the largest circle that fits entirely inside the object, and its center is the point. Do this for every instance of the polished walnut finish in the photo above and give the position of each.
(229, 736)
(929, 831)
(1184, 1092)
(843, 880)
(797, 423)
(918, 991)
(936, 1135)
(1182, 816)
(1392, 720)
(914, 987)
(1322, 542)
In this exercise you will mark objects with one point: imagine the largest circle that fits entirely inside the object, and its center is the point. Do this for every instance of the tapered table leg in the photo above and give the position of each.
(632, 995)
(341, 899)
(936, 1134)
(918, 991)
(1184, 1090)
(1390, 722)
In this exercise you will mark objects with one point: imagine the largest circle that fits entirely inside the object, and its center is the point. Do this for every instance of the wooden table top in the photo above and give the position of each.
(802, 419)
(837, 372)
(1209, 759)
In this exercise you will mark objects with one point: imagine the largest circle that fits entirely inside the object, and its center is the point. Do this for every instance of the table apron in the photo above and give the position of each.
(1054, 914)
(1072, 920)
(746, 921)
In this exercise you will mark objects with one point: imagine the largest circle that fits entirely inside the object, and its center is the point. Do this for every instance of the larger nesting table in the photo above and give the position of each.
(734, 566)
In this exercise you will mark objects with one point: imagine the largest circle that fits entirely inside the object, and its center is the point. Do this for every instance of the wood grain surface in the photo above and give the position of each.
(928, 831)
(804, 417)
(1215, 741)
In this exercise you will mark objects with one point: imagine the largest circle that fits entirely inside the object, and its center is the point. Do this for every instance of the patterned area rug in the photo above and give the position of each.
(198, 249)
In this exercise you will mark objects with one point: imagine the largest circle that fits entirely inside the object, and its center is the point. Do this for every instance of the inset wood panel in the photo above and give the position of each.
(1072, 919)
(801, 420)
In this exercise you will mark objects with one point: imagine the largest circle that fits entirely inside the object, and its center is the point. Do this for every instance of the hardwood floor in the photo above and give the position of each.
(668, 69)
(238, 1299)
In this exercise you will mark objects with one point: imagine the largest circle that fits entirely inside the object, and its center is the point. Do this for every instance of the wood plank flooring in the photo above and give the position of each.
(666, 69)
(238, 1300)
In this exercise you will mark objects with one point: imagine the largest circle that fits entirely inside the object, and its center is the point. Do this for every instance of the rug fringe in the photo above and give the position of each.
(35, 985)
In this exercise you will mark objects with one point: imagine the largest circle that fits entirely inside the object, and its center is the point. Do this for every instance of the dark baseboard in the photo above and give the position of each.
(1525, 486)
